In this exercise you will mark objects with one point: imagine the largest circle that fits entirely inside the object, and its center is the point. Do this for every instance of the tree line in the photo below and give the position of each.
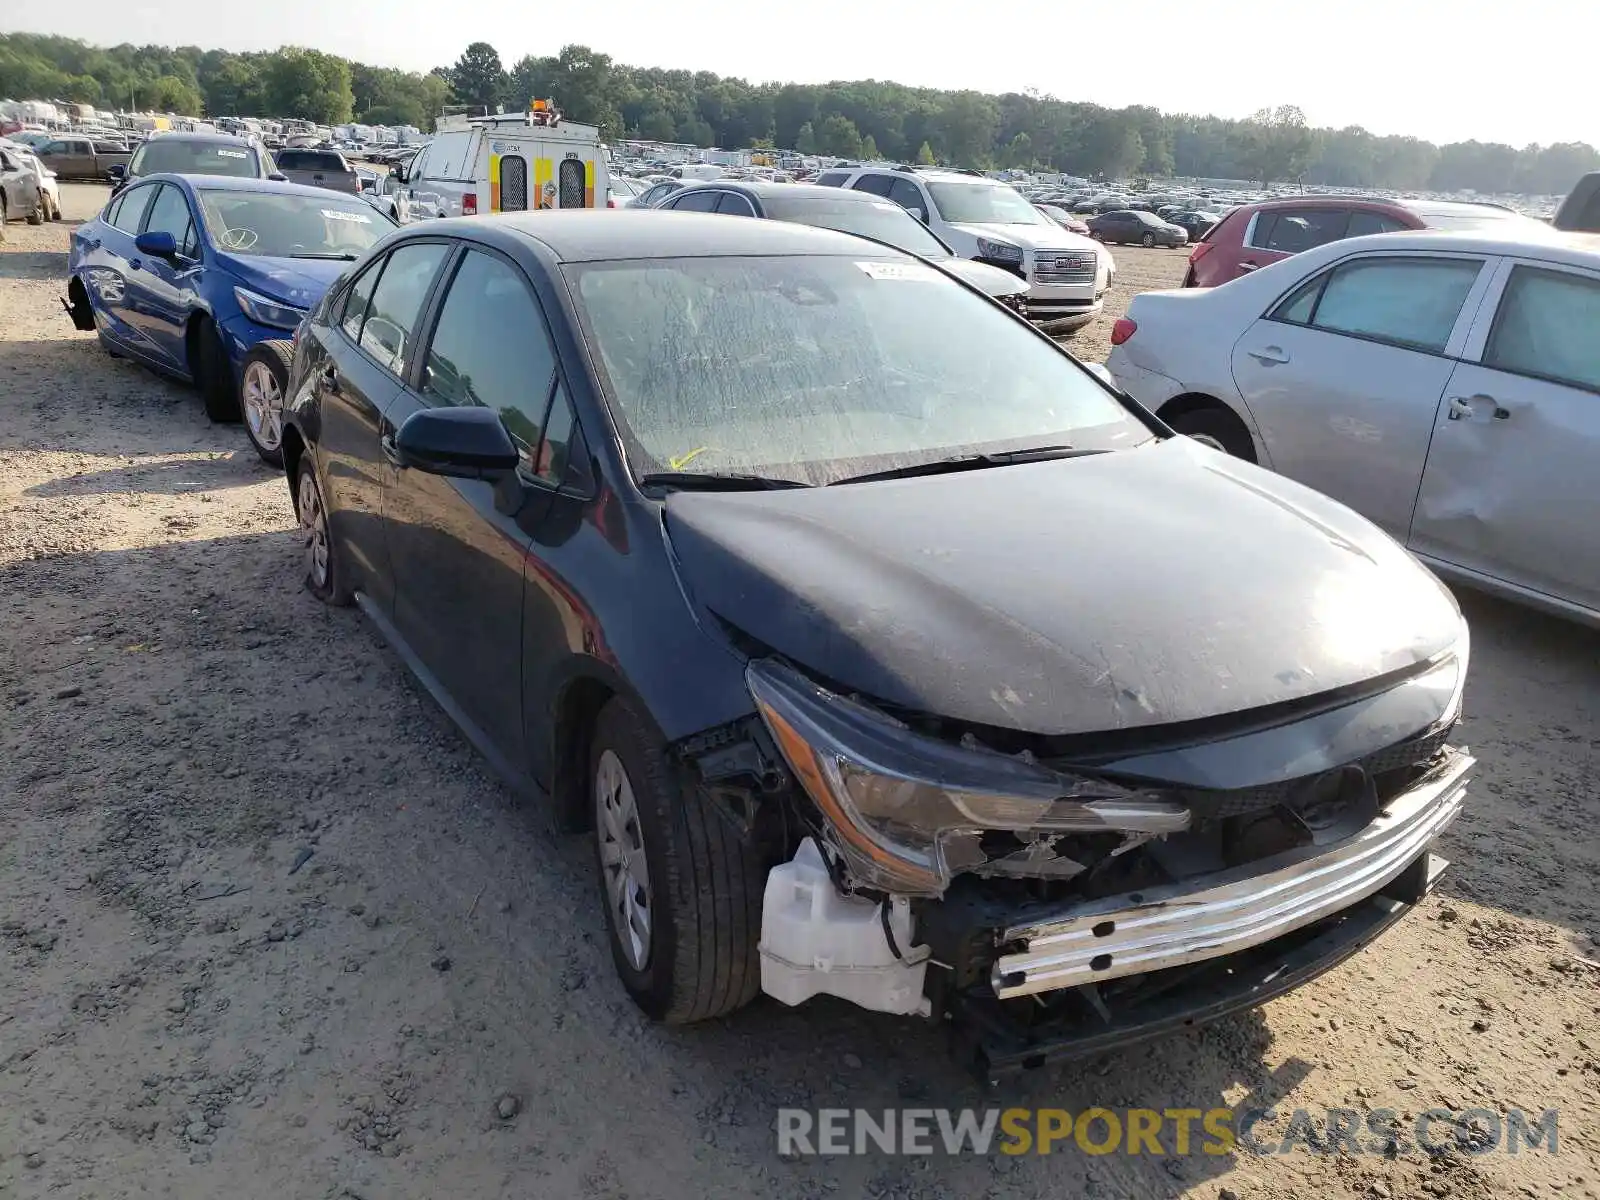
(854, 119)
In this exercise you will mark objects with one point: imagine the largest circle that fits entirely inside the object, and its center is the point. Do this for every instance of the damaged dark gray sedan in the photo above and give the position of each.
(883, 650)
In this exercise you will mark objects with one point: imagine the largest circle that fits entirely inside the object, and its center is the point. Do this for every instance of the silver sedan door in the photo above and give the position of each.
(1344, 375)
(1511, 492)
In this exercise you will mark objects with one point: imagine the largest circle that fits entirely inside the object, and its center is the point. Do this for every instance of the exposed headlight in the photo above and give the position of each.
(265, 311)
(897, 799)
(999, 251)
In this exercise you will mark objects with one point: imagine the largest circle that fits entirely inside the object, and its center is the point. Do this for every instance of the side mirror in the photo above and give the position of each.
(157, 244)
(464, 443)
(920, 214)
(278, 177)
(116, 172)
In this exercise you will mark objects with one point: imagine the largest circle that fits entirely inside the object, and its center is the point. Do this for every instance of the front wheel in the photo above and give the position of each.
(1148, 240)
(682, 890)
(263, 385)
(36, 217)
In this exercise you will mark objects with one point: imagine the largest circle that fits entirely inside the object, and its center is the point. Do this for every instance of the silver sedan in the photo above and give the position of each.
(1447, 386)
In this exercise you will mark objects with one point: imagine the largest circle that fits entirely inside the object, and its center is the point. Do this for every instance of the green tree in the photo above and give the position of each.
(307, 83)
(925, 155)
(1275, 144)
(478, 78)
(805, 141)
(839, 137)
(869, 149)
(1020, 151)
(171, 94)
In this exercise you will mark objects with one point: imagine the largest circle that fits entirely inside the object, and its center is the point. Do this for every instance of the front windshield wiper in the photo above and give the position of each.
(711, 481)
(342, 256)
(971, 462)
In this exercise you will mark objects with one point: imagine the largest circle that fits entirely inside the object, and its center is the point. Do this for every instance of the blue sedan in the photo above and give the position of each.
(188, 273)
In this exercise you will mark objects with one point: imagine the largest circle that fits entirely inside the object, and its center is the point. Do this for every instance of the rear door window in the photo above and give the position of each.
(1546, 328)
(907, 195)
(705, 201)
(1408, 302)
(734, 205)
(833, 178)
(134, 204)
(1297, 230)
(397, 301)
(878, 185)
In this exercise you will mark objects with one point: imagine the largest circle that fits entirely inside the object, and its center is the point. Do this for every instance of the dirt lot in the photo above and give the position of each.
(192, 1006)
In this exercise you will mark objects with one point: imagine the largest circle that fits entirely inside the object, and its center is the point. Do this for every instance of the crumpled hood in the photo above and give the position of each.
(1136, 588)
(296, 281)
(1031, 237)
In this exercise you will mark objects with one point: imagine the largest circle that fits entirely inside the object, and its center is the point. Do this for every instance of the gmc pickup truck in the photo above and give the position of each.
(83, 158)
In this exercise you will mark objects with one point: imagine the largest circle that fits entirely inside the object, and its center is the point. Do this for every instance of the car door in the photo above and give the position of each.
(163, 291)
(108, 266)
(1343, 375)
(458, 546)
(1509, 491)
(366, 351)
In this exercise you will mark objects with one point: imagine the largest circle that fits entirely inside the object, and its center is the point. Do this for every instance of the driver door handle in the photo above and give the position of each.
(1269, 355)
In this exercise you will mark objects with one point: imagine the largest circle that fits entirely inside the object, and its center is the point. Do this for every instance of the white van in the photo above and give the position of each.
(504, 163)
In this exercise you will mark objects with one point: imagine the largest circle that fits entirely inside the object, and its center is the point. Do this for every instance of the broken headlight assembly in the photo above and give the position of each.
(895, 799)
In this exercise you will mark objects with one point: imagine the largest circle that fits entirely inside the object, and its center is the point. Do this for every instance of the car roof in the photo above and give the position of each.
(597, 235)
(1531, 240)
(761, 188)
(245, 183)
(227, 139)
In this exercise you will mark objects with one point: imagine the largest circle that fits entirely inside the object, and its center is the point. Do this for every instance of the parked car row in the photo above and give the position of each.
(739, 543)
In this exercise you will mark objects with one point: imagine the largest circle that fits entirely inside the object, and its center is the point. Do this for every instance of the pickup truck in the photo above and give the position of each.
(83, 158)
(318, 168)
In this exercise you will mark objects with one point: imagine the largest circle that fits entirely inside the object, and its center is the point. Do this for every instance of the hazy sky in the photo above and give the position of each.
(1507, 72)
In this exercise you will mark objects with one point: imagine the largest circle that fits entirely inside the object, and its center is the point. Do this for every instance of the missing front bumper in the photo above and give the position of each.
(1229, 912)
(988, 1041)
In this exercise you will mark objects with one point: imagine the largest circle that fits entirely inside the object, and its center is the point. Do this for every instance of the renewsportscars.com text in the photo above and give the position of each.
(1169, 1131)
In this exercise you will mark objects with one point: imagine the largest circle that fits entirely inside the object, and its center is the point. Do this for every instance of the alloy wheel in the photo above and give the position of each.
(263, 405)
(314, 528)
(622, 859)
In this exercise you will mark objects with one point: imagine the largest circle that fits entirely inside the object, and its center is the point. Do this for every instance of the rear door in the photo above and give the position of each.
(109, 265)
(368, 346)
(1509, 491)
(1343, 375)
(457, 546)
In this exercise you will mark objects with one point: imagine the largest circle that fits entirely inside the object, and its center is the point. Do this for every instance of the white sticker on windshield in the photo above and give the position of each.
(334, 214)
(232, 153)
(886, 270)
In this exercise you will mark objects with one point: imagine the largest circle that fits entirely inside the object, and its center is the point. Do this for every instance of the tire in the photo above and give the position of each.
(214, 375)
(263, 387)
(36, 217)
(1097, 235)
(1218, 428)
(1148, 241)
(701, 887)
(324, 566)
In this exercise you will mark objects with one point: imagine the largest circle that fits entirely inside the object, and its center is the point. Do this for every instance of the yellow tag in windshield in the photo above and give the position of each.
(683, 460)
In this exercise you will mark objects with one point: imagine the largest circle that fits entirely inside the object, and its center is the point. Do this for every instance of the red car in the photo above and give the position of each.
(1255, 235)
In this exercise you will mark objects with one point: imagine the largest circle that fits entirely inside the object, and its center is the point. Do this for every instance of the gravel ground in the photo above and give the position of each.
(269, 929)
